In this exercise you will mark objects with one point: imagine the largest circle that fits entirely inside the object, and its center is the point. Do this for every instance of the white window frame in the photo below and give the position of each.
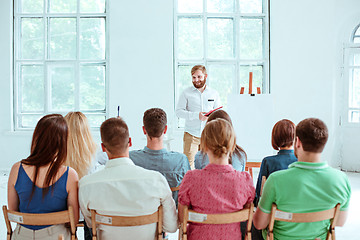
(46, 62)
(265, 62)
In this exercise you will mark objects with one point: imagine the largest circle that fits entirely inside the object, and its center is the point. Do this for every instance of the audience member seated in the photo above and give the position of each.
(154, 156)
(82, 152)
(282, 140)
(309, 185)
(124, 189)
(237, 158)
(41, 183)
(218, 188)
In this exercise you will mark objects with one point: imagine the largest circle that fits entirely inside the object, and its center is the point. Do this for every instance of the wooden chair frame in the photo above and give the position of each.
(121, 221)
(332, 214)
(245, 214)
(250, 165)
(40, 219)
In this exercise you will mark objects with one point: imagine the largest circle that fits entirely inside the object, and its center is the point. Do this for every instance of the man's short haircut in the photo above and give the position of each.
(313, 134)
(154, 122)
(283, 134)
(115, 135)
(198, 67)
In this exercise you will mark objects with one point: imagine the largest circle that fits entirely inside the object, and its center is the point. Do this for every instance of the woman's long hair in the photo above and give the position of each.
(48, 147)
(81, 145)
(239, 151)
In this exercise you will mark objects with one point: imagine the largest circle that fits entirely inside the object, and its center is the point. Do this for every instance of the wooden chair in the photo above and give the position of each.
(263, 180)
(245, 214)
(40, 219)
(250, 165)
(173, 189)
(278, 215)
(121, 221)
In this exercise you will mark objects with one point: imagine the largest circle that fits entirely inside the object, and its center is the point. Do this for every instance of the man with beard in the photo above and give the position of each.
(309, 185)
(193, 103)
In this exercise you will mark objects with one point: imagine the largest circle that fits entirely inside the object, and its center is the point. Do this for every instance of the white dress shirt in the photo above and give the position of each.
(124, 189)
(191, 103)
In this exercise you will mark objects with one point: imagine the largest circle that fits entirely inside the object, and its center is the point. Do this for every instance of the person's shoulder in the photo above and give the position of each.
(72, 174)
(177, 155)
(134, 155)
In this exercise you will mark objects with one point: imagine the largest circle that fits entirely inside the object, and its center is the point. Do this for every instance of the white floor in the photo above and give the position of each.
(349, 232)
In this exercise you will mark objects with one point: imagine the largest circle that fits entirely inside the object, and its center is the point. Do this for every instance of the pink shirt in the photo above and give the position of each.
(216, 189)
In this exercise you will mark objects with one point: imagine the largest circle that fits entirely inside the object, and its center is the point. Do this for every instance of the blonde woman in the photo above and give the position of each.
(217, 188)
(81, 145)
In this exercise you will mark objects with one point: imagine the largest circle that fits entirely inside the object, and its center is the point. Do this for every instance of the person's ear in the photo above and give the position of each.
(130, 143)
(103, 148)
(297, 143)
(165, 130)
(144, 130)
(205, 77)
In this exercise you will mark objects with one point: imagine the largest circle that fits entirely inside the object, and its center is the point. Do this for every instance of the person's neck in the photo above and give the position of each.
(202, 89)
(120, 155)
(154, 143)
(287, 148)
(310, 157)
(223, 160)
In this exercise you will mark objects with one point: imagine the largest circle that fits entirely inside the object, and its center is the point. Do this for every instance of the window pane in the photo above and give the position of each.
(253, 6)
(62, 87)
(220, 38)
(184, 79)
(257, 78)
(95, 120)
(62, 38)
(220, 6)
(190, 38)
(92, 38)
(354, 91)
(222, 78)
(356, 59)
(354, 116)
(251, 39)
(32, 38)
(63, 6)
(358, 31)
(32, 88)
(92, 88)
(190, 6)
(92, 6)
(29, 121)
(33, 6)
(357, 40)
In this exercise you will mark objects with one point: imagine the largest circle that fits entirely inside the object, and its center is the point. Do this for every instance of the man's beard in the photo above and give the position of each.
(199, 84)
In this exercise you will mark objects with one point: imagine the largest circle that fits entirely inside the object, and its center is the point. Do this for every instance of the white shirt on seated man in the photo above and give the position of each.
(124, 189)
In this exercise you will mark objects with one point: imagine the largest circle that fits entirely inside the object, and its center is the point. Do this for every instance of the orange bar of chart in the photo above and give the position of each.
(250, 82)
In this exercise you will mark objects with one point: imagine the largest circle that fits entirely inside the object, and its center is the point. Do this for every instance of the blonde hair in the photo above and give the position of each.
(81, 145)
(218, 136)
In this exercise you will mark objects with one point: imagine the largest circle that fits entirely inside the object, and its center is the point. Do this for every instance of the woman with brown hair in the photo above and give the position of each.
(218, 188)
(282, 140)
(237, 159)
(41, 183)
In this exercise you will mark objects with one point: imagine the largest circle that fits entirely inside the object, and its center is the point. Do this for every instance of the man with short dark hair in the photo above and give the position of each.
(154, 156)
(125, 189)
(309, 185)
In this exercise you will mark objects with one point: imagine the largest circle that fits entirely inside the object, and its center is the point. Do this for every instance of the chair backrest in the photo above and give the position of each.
(250, 165)
(173, 189)
(331, 214)
(121, 221)
(245, 214)
(39, 219)
(263, 180)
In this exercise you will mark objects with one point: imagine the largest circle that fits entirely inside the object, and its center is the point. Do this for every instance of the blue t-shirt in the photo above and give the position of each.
(272, 164)
(172, 165)
(202, 160)
(54, 200)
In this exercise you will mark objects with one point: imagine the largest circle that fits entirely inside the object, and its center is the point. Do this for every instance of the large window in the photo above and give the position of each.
(60, 60)
(352, 74)
(229, 37)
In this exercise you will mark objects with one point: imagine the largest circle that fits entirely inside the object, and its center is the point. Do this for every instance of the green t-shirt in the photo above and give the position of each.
(305, 187)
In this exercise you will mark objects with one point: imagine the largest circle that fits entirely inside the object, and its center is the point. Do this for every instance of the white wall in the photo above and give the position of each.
(306, 39)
